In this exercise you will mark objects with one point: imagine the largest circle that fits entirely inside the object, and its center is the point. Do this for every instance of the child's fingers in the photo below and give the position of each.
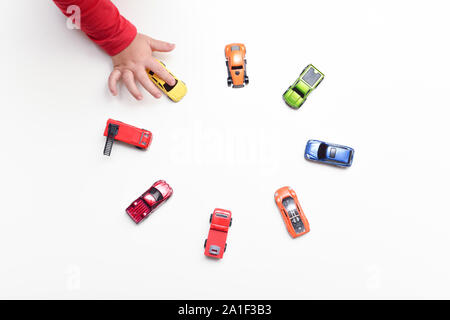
(112, 81)
(162, 46)
(157, 68)
(147, 84)
(128, 79)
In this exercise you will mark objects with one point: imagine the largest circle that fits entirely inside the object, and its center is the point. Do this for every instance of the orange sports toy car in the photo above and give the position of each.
(291, 211)
(236, 65)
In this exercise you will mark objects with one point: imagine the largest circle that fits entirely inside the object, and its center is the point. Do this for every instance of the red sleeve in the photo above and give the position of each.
(102, 22)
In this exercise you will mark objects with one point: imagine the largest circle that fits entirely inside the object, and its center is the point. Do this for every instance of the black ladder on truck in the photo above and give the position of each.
(112, 132)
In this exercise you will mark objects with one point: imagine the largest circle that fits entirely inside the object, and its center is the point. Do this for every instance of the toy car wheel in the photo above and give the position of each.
(225, 248)
(210, 218)
(229, 82)
(139, 148)
(231, 220)
(204, 245)
(246, 80)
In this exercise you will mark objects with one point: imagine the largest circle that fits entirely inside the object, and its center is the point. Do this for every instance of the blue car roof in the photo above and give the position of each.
(335, 153)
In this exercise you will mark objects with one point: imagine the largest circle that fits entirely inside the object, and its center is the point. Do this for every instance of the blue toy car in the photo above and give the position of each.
(329, 153)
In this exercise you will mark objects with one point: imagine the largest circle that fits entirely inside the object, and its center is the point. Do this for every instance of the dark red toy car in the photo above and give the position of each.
(116, 130)
(149, 201)
(216, 243)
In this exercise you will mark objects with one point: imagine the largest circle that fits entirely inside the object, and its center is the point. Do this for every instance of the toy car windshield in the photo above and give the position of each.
(294, 216)
(156, 194)
(297, 91)
(322, 151)
(169, 87)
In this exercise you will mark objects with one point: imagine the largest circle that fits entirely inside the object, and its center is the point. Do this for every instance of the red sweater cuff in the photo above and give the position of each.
(118, 40)
(102, 23)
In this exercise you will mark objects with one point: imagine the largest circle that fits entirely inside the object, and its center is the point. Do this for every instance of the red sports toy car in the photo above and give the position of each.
(216, 243)
(149, 201)
(116, 130)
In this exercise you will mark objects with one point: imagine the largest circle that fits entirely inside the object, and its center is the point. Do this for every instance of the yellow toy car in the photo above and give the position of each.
(176, 92)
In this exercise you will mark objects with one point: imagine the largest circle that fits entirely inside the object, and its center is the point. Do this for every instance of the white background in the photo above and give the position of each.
(378, 229)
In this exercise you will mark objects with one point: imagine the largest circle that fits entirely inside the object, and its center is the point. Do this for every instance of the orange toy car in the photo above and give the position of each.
(236, 65)
(291, 211)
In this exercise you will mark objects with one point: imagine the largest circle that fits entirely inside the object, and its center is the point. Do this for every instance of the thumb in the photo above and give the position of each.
(162, 46)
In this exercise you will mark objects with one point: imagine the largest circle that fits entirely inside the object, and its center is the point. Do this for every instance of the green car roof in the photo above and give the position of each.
(308, 80)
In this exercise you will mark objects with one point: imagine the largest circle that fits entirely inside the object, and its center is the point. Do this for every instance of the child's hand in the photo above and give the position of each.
(131, 65)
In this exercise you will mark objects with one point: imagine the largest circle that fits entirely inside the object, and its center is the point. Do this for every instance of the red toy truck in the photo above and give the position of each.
(116, 130)
(141, 208)
(216, 243)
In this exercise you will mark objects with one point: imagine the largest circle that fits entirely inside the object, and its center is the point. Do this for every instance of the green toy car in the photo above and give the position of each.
(309, 79)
